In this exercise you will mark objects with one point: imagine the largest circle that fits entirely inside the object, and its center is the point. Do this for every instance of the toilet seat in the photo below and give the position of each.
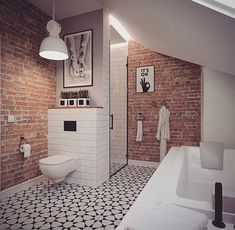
(55, 160)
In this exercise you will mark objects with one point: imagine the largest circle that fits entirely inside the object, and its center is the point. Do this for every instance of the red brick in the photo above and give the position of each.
(28, 89)
(176, 81)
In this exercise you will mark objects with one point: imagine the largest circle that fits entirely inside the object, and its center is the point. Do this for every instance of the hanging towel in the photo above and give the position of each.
(139, 135)
(163, 124)
(163, 132)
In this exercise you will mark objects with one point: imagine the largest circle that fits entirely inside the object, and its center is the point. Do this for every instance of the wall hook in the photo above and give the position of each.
(140, 117)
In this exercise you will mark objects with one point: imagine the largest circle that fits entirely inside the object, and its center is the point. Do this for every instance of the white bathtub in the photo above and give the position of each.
(196, 184)
(180, 180)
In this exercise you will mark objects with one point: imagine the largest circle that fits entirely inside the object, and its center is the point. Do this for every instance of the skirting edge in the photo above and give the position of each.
(144, 163)
(19, 187)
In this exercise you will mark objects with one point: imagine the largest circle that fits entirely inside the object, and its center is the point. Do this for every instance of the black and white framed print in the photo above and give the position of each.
(145, 79)
(78, 68)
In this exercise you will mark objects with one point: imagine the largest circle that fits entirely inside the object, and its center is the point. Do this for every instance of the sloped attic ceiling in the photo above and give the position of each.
(179, 28)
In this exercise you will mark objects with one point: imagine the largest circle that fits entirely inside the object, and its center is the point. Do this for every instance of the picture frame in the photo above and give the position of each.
(78, 68)
(145, 79)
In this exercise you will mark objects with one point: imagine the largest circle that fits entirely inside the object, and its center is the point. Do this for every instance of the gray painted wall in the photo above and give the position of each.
(92, 20)
(218, 118)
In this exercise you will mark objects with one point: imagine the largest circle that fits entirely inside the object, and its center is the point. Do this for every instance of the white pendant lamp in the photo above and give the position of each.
(53, 47)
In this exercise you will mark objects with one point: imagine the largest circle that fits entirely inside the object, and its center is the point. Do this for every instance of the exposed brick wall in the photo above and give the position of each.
(28, 88)
(176, 81)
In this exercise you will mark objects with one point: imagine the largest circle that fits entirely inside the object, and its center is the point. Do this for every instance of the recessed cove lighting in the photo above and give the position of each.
(119, 28)
(229, 3)
(119, 45)
(226, 7)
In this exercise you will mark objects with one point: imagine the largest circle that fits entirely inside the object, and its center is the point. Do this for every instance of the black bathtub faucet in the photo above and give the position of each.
(218, 221)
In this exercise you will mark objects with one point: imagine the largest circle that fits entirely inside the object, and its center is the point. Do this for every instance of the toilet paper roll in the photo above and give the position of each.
(26, 149)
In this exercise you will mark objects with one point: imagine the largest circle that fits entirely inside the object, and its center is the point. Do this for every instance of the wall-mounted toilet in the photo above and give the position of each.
(57, 167)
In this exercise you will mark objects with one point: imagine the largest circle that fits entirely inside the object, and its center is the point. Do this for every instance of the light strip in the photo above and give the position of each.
(119, 28)
(219, 6)
(119, 45)
(228, 3)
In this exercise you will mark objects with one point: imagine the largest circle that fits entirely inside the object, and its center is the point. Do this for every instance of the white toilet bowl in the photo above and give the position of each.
(57, 167)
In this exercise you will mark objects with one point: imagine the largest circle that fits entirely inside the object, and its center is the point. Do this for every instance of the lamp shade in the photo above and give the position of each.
(53, 48)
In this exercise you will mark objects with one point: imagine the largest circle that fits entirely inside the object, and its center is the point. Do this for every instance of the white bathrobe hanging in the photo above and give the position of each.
(139, 135)
(163, 131)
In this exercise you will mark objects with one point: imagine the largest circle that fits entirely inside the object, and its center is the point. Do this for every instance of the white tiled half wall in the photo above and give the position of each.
(118, 105)
(88, 144)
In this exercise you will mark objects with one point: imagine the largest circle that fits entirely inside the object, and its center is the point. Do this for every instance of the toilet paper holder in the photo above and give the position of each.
(22, 141)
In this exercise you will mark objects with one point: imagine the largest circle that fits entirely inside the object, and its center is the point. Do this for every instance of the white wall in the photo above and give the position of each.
(218, 112)
(181, 29)
(94, 21)
(89, 144)
(83, 144)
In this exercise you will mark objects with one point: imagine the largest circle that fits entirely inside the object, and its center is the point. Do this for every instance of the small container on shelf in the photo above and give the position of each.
(83, 98)
(72, 102)
(63, 102)
(75, 98)
(83, 101)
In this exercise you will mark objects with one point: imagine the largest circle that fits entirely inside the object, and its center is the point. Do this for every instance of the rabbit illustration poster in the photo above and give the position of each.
(78, 67)
(145, 79)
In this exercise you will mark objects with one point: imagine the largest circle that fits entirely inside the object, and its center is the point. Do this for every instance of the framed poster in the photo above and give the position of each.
(145, 79)
(78, 68)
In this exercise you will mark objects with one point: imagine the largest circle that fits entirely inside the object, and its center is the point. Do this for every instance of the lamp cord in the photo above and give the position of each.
(53, 9)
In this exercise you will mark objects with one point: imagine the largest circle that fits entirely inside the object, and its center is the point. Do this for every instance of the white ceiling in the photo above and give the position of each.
(182, 28)
(67, 8)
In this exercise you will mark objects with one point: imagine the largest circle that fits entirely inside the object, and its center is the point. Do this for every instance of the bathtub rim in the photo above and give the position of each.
(152, 195)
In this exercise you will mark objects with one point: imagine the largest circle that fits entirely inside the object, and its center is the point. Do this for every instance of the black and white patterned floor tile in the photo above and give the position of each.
(69, 206)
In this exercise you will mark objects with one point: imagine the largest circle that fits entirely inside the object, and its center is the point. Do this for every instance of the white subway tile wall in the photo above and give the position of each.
(103, 122)
(118, 97)
(87, 144)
